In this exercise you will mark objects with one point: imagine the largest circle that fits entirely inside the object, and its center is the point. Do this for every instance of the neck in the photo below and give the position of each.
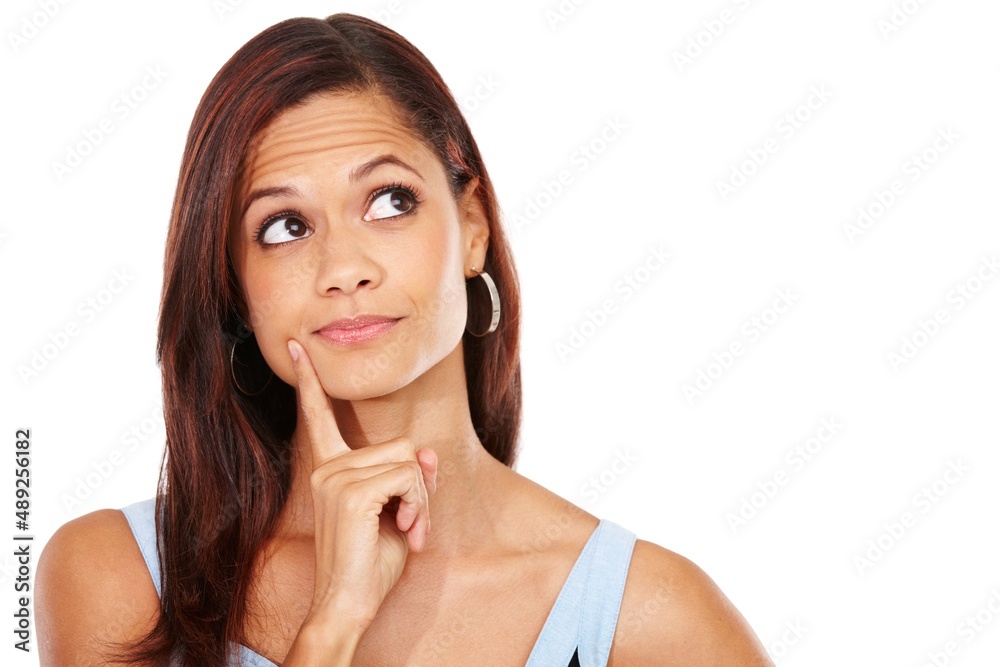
(432, 412)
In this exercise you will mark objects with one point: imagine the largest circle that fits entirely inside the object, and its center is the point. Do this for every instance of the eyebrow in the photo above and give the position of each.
(356, 175)
(278, 191)
(365, 169)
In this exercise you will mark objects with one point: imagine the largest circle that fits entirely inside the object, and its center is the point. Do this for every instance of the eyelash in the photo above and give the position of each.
(259, 232)
(408, 189)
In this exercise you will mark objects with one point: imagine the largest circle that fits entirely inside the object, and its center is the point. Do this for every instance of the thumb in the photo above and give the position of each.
(428, 460)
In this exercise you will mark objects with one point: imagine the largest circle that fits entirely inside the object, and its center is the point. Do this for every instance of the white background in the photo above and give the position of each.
(683, 127)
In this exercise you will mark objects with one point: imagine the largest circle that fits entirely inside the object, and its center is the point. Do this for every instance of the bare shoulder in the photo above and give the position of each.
(92, 586)
(672, 613)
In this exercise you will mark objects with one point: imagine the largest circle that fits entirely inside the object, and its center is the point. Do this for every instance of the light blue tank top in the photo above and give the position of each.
(581, 622)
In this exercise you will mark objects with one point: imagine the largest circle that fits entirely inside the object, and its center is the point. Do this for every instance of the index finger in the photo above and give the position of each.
(325, 439)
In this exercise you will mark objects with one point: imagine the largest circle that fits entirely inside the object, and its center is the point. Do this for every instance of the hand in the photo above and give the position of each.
(361, 545)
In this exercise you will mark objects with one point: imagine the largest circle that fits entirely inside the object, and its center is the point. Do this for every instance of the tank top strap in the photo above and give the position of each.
(585, 614)
(141, 520)
(603, 596)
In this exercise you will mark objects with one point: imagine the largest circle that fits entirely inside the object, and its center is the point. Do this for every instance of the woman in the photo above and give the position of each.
(339, 343)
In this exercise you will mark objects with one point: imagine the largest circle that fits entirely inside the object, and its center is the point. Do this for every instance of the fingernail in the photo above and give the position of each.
(292, 350)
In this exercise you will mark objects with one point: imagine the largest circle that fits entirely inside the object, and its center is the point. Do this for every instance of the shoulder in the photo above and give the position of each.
(672, 613)
(92, 586)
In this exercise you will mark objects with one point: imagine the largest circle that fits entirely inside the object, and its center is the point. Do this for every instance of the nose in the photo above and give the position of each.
(343, 264)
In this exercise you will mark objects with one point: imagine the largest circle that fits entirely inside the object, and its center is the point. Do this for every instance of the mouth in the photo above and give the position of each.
(357, 329)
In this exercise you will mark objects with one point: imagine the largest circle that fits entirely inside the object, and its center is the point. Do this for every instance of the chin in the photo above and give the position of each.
(366, 378)
(358, 388)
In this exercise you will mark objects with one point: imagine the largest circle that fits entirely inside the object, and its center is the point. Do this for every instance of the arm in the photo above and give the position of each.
(91, 587)
(317, 644)
(672, 613)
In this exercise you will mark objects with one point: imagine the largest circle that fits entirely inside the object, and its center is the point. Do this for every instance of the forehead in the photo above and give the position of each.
(330, 131)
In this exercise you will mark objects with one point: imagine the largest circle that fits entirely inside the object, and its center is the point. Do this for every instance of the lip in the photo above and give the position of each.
(357, 329)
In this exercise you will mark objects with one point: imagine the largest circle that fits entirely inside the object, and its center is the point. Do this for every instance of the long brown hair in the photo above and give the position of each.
(226, 470)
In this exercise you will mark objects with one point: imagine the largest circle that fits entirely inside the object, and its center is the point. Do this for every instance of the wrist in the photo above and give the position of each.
(334, 628)
(324, 642)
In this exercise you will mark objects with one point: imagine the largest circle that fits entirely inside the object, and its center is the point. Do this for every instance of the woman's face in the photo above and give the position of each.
(343, 212)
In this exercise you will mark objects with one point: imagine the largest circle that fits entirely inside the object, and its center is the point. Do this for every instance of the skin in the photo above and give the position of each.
(443, 579)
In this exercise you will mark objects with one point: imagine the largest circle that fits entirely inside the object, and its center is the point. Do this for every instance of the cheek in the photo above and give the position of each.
(262, 299)
(272, 304)
(443, 279)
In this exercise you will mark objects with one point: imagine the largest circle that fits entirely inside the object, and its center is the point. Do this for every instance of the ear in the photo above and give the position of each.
(244, 314)
(475, 227)
(241, 306)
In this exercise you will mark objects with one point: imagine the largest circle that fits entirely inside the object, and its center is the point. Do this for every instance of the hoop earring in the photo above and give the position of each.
(232, 371)
(494, 304)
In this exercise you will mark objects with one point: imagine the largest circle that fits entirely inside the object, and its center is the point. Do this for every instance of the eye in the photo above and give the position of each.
(390, 202)
(282, 228)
